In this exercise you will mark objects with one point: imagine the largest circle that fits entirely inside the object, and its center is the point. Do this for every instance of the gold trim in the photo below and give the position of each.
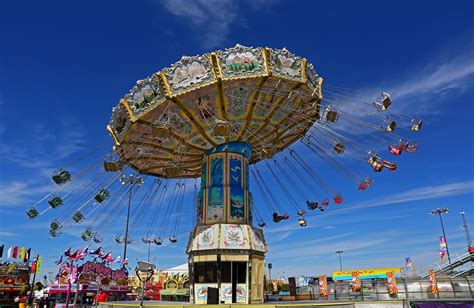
(111, 131)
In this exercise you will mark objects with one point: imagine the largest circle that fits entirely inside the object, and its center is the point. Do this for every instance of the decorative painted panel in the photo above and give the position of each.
(217, 170)
(311, 76)
(207, 237)
(145, 95)
(241, 61)
(237, 204)
(120, 121)
(286, 64)
(258, 241)
(189, 73)
(215, 205)
(241, 291)
(233, 236)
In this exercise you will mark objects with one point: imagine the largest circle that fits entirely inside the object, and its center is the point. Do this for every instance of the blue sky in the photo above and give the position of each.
(65, 64)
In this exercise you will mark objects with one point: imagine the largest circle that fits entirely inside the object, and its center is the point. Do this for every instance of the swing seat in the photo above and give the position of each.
(78, 217)
(162, 130)
(173, 239)
(262, 224)
(285, 217)
(416, 125)
(55, 202)
(268, 152)
(301, 213)
(54, 233)
(276, 218)
(330, 115)
(383, 102)
(172, 171)
(61, 176)
(338, 199)
(119, 239)
(222, 128)
(103, 195)
(146, 240)
(302, 222)
(312, 205)
(55, 225)
(88, 232)
(85, 237)
(339, 147)
(325, 202)
(97, 238)
(129, 241)
(32, 213)
(158, 241)
(113, 166)
(389, 125)
(395, 149)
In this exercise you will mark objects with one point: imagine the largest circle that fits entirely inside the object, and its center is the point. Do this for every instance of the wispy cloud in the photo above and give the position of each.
(417, 194)
(17, 193)
(211, 20)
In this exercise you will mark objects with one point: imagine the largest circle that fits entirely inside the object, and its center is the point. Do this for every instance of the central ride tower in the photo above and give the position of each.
(226, 253)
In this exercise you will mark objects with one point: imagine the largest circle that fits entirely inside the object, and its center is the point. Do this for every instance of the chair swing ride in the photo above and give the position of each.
(225, 117)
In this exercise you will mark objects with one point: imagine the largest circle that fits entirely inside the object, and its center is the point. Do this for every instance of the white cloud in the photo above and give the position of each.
(211, 20)
(17, 193)
(417, 194)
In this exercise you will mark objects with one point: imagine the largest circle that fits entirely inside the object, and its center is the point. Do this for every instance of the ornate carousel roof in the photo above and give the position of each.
(266, 97)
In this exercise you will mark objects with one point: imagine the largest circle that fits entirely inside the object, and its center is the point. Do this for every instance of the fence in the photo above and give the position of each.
(408, 289)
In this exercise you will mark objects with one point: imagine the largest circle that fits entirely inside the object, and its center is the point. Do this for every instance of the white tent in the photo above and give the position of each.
(180, 269)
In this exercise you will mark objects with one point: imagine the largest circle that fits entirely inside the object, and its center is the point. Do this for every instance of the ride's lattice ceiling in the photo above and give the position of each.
(267, 97)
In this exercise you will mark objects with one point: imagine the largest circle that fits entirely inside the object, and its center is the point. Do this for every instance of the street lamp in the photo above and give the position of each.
(149, 270)
(466, 230)
(270, 266)
(339, 252)
(132, 180)
(440, 212)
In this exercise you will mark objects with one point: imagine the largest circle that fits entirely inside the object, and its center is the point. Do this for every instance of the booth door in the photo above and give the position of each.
(236, 273)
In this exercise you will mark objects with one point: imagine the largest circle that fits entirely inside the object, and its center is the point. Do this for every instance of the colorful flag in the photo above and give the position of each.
(107, 257)
(442, 248)
(434, 284)
(38, 265)
(409, 265)
(27, 255)
(356, 285)
(15, 252)
(67, 253)
(1, 251)
(33, 265)
(392, 283)
(9, 252)
(85, 251)
(442, 242)
(60, 260)
(97, 251)
(323, 286)
(22, 253)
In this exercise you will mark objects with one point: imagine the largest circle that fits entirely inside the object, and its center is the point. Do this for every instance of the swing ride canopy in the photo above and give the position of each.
(266, 97)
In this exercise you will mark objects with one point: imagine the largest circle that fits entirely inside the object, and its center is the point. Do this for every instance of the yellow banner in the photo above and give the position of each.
(365, 273)
(22, 253)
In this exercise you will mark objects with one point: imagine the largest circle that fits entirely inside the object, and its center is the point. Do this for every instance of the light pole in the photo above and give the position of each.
(339, 252)
(270, 266)
(466, 230)
(132, 180)
(440, 212)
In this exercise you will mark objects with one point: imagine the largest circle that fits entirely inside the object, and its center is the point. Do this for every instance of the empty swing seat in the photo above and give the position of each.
(162, 130)
(103, 195)
(330, 115)
(55, 202)
(54, 233)
(97, 238)
(382, 102)
(222, 128)
(302, 222)
(78, 217)
(389, 124)
(416, 125)
(32, 213)
(158, 241)
(113, 166)
(339, 147)
(55, 225)
(262, 224)
(173, 239)
(61, 176)
(85, 237)
(119, 239)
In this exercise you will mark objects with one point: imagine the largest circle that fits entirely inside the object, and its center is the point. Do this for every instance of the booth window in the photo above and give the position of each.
(226, 272)
(205, 272)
